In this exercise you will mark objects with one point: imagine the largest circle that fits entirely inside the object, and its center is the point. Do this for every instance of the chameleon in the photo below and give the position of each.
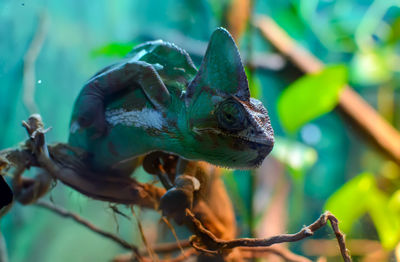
(156, 99)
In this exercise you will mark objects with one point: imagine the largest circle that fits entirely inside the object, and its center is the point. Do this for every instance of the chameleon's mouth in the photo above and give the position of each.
(265, 140)
(263, 149)
(263, 152)
(246, 152)
(261, 141)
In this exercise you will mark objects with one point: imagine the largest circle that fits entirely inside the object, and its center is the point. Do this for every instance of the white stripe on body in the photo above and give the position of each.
(146, 118)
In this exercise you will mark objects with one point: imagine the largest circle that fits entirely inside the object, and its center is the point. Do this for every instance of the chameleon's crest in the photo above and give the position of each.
(221, 69)
(233, 128)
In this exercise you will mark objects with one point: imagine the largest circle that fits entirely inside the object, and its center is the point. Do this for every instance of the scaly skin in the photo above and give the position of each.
(155, 100)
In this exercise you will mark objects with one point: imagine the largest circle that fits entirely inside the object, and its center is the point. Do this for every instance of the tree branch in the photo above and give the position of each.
(65, 163)
(210, 244)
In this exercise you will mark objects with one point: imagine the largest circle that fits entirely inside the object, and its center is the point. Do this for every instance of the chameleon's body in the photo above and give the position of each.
(156, 100)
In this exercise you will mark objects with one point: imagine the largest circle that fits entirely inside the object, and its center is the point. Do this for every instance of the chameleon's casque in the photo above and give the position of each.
(155, 99)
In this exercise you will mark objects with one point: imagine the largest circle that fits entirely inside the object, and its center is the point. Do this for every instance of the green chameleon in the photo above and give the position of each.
(155, 103)
(156, 100)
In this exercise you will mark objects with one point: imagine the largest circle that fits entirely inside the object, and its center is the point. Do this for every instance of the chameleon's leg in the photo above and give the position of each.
(159, 163)
(181, 195)
(163, 176)
(180, 167)
(136, 74)
(184, 181)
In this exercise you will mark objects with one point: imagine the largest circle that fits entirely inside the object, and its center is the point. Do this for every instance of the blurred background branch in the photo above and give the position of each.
(359, 113)
(29, 77)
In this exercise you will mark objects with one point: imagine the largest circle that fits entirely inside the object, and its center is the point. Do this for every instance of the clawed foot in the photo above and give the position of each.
(175, 201)
(179, 196)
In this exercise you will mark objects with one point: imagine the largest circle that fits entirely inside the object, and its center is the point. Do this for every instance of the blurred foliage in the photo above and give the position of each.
(328, 165)
(297, 157)
(361, 195)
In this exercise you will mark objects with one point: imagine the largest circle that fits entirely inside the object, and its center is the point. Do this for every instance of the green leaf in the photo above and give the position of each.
(350, 202)
(386, 221)
(361, 195)
(113, 49)
(394, 202)
(311, 96)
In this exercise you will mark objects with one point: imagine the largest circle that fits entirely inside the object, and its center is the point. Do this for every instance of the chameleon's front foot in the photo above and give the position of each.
(175, 201)
(180, 194)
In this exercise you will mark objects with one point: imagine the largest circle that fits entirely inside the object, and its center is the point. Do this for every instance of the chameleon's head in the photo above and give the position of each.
(230, 128)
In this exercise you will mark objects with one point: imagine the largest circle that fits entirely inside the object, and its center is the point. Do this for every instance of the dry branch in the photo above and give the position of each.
(352, 105)
(211, 244)
(64, 163)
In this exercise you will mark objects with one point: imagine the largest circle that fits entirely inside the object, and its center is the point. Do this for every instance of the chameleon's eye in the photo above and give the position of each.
(231, 115)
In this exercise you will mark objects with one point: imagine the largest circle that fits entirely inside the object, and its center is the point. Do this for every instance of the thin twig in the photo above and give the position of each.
(173, 233)
(65, 213)
(150, 251)
(29, 79)
(206, 238)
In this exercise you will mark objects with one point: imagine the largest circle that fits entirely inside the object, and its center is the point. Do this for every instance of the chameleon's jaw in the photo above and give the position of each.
(251, 154)
(264, 140)
(263, 151)
(261, 141)
(233, 150)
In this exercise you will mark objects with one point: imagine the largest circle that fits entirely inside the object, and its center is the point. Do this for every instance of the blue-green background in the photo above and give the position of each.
(84, 36)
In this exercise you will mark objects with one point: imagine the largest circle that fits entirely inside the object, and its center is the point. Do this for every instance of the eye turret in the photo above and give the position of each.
(231, 115)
